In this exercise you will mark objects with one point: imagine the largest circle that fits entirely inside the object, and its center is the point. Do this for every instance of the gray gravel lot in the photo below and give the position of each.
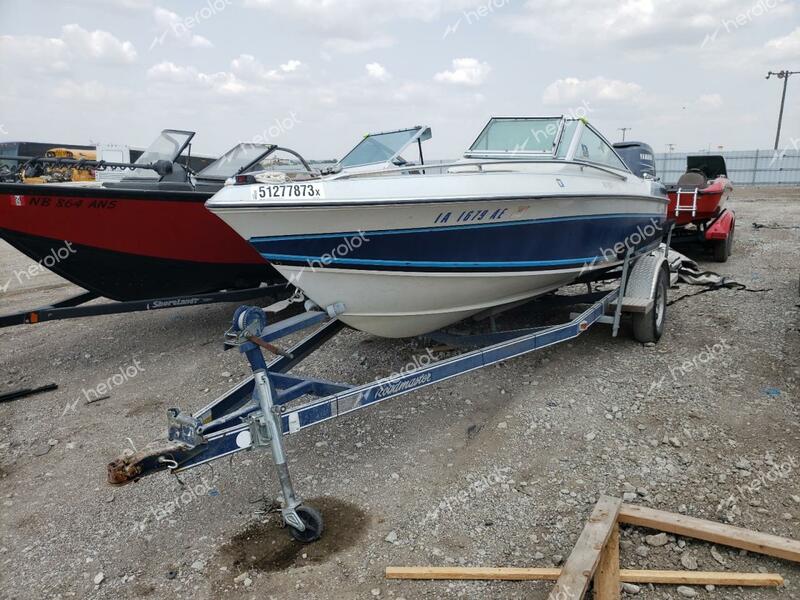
(500, 467)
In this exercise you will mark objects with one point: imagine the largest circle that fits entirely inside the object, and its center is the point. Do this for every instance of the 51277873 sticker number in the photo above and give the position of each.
(294, 190)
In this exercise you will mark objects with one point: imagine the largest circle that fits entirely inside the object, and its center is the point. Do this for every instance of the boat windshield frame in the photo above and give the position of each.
(472, 152)
(552, 155)
(189, 136)
(423, 132)
(267, 149)
(143, 173)
(576, 139)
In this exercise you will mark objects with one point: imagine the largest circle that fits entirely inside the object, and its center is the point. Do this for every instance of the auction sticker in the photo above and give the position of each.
(293, 190)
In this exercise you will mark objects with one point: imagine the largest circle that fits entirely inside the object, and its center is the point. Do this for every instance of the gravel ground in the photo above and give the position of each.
(500, 467)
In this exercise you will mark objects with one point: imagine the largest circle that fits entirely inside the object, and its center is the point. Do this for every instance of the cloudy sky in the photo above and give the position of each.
(315, 75)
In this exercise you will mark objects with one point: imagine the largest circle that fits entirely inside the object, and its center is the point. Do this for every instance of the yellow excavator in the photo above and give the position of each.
(61, 174)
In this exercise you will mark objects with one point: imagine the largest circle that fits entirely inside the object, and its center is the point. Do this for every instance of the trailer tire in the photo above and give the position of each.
(720, 250)
(649, 327)
(724, 248)
(731, 238)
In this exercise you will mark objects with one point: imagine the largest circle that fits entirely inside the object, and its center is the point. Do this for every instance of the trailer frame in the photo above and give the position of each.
(256, 412)
(76, 306)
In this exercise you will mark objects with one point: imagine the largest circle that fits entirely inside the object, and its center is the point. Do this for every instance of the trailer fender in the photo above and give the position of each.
(644, 275)
(721, 228)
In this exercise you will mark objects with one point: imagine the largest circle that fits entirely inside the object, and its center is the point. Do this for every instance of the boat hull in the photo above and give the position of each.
(129, 244)
(413, 267)
(710, 203)
(418, 302)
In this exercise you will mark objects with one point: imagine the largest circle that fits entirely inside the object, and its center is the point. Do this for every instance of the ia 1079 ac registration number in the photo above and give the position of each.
(294, 190)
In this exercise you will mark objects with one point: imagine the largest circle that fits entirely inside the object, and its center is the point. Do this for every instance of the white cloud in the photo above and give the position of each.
(466, 71)
(169, 71)
(330, 12)
(221, 82)
(737, 51)
(123, 4)
(345, 45)
(671, 100)
(248, 67)
(171, 25)
(785, 47)
(351, 26)
(97, 45)
(650, 26)
(572, 91)
(377, 71)
(247, 74)
(87, 92)
(43, 54)
(38, 53)
(291, 66)
(709, 102)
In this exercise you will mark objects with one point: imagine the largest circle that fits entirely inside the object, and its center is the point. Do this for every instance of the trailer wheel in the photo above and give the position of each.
(731, 238)
(649, 326)
(720, 250)
(312, 519)
(724, 248)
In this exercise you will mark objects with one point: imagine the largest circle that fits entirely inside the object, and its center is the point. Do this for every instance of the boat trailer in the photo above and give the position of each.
(76, 307)
(716, 233)
(256, 413)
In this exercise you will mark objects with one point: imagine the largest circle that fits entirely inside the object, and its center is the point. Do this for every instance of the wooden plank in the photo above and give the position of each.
(702, 578)
(492, 573)
(727, 535)
(582, 562)
(606, 580)
(552, 574)
(634, 305)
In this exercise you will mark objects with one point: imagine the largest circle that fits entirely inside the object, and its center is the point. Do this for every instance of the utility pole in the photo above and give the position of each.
(623, 130)
(670, 148)
(785, 76)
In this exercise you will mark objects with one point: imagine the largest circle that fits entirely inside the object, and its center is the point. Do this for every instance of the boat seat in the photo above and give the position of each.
(692, 179)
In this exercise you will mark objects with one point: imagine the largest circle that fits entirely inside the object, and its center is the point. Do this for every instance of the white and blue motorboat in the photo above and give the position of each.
(400, 250)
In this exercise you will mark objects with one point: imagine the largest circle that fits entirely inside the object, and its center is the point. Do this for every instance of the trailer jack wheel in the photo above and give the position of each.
(312, 519)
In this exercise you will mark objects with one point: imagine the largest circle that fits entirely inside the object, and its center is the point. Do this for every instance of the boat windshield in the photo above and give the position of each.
(566, 138)
(168, 146)
(236, 160)
(522, 136)
(381, 147)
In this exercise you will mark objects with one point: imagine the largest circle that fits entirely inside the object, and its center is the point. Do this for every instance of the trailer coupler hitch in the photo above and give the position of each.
(130, 467)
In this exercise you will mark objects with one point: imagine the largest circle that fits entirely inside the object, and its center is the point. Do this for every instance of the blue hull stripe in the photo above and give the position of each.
(518, 245)
(287, 258)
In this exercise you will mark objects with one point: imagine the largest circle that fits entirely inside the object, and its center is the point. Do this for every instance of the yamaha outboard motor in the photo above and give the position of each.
(639, 158)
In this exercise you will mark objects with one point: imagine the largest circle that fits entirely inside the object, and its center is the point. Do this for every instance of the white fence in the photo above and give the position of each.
(746, 167)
